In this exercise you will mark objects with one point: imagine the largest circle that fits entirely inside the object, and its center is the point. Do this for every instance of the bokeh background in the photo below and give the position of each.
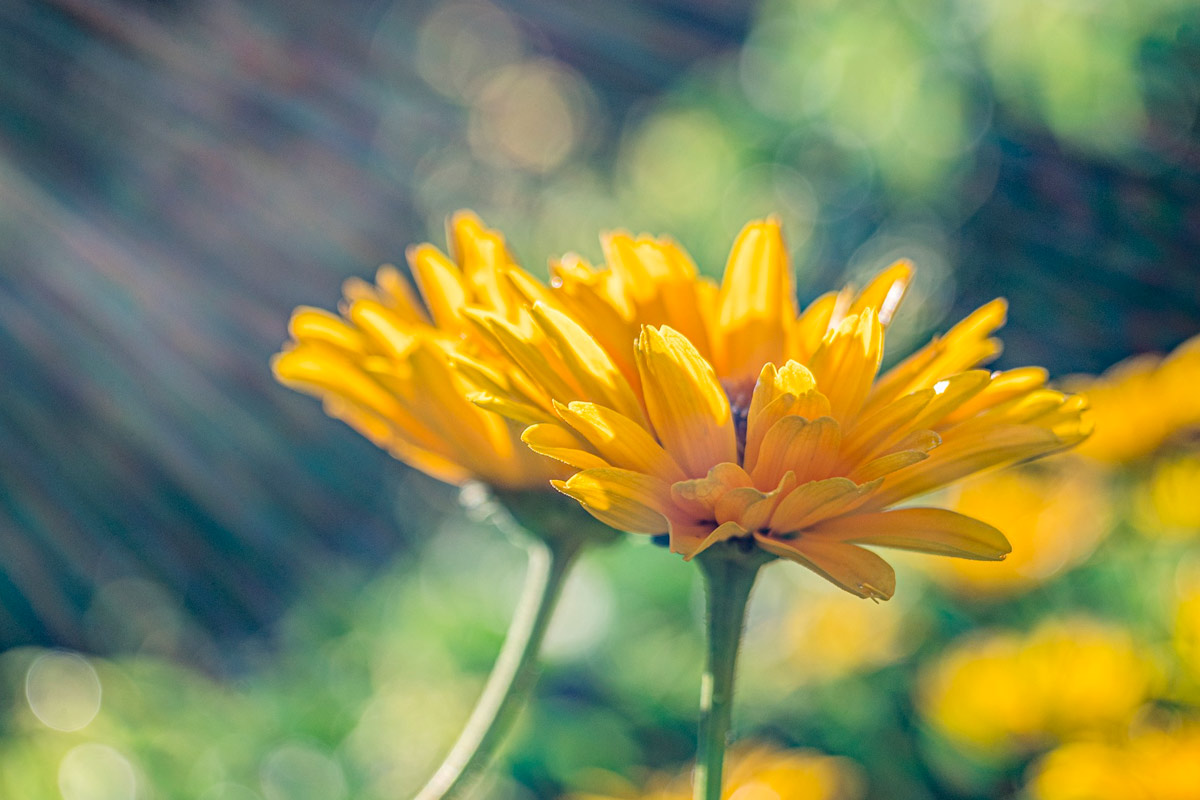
(210, 590)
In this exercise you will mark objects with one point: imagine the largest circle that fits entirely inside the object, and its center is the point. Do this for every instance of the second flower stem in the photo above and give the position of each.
(514, 673)
(728, 578)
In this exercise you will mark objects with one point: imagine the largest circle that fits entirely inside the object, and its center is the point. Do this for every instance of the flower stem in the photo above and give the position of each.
(515, 671)
(729, 576)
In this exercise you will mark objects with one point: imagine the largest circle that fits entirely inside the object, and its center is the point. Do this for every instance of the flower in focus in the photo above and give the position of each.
(760, 773)
(384, 364)
(1142, 403)
(1002, 693)
(719, 413)
(1152, 764)
(1054, 513)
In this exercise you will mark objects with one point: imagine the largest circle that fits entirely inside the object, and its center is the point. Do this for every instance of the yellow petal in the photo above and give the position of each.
(510, 409)
(699, 496)
(625, 500)
(560, 443)
(871, 432)
(805, 336)
(926, 530)
(810, 449)
(789, 391)
(964, 347)
(313, 324)
(317, 367)
(854, 569)
(884, 292)
(846, 363)
(817, 500)
(961, 456)
(483, 257)
(621, 441)
(886, 465)
(441, 284)
(587, 361)
(527, 346)
(722, 533)
(757, 303)
(389, 332)
(684, 401)
(397, 294)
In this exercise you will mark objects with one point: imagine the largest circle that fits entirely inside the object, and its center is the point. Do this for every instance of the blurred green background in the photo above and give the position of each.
(210, 590)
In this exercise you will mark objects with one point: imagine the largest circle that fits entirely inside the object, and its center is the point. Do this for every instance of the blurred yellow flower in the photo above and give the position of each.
(716, 413)
(1141, 403)
(384, 365)
(759, 772)
(1053, 513)
(1150, 765)
(1167, 501)
(814, 632)
(1187, 630)
(1000, 693)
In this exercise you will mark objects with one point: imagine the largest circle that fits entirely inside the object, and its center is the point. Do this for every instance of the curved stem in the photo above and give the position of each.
(514, 673)
(728, 580)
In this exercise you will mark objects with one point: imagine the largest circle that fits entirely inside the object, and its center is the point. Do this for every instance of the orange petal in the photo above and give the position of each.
(560, 443)
(854, 569)
(810, 449)
(757, 303)
(926, 530)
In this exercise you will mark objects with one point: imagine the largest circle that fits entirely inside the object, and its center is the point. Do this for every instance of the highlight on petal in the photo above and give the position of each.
(926, 530)
(620, 440)
(620, 498)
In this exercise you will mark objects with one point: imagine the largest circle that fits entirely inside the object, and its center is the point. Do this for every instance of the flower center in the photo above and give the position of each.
(739, 395)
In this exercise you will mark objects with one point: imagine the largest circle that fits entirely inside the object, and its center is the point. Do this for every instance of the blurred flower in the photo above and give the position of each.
(1141, 403)
(759, 772)
(384, 365)
(801, 631)
(1187, 629)
(1000, 693)
(1151, 765)
(1053, 513)
(1165, 502)
(738, 418)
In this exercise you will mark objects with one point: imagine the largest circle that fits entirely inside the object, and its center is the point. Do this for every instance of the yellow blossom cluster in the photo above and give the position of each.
(1151, 764)
(758, 772)
(1003, 693)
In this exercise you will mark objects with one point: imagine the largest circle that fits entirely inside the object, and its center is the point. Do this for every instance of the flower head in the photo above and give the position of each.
(1142, 403)
(384, 365)
(716, 413)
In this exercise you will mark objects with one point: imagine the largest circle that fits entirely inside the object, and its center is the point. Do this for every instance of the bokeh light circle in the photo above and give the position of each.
(96, 772)
(63, 691)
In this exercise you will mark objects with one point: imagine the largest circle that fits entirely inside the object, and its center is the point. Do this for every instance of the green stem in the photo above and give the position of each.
(514, 673)
(728, 577)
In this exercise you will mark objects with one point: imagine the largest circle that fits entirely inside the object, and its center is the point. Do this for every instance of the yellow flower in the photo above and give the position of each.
(1053, 513)
(1001, 692)
(759, 772)
(717, 413)
(814, 632)
(1152, 764)
(1165, 501)
(1141, 403)
(384, 365)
